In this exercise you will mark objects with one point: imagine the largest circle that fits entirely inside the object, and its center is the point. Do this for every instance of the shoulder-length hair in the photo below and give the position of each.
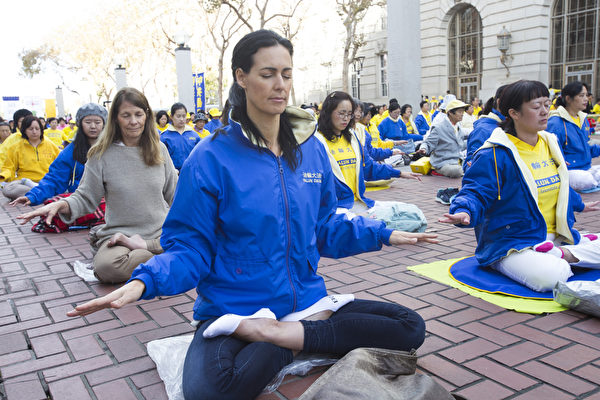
(27, 122)
(149, 143)
(329, 105)
(515, 95)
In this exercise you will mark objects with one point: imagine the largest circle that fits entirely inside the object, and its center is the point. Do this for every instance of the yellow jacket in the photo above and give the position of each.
(56, 136)
(69, 133)
(25, 161)
(376, 139)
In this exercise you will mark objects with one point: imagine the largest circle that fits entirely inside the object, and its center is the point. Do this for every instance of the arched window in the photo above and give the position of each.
(464, 53)
(575, 51)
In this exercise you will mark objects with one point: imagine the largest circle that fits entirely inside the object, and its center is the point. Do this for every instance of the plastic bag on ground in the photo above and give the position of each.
(169, 355)
(85, 271)
(582, 296)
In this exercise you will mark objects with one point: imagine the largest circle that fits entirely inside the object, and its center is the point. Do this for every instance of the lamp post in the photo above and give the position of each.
(504, 46)
(183, 65)
(120, 73)
(357, 65)
(60, 103)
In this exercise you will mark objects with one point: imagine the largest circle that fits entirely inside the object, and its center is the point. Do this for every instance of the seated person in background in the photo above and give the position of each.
(423, 120)
(484, 126)
(350, 163)
(393, 128)
(571, 127)
(162, 121)
(215, 122)
(15, 137)
(445, 143)
(70, 130)
(407, 119)
(179, 138)
(468, 120)
(517, 197)
(67, 170)
(362, 116)
(54, 134)
(200, 121)
(28, 160)
(4, 134)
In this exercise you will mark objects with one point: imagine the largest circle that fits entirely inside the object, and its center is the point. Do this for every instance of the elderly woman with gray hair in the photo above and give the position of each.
(445, 144)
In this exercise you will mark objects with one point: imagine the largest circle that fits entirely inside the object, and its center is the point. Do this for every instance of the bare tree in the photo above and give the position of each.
(352, 12)
(223, 28)
(248, 14)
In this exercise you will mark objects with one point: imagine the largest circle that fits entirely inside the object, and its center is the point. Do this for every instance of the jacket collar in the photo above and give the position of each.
(564, 114)
(304, 125)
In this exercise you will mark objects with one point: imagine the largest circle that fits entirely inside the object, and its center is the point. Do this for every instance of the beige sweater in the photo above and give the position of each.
(137, 196)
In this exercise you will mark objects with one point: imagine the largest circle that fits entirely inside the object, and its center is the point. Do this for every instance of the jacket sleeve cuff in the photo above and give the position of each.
(150, 290)
(385, 234)
(396, 173)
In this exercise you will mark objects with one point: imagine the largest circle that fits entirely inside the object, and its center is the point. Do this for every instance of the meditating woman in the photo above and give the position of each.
(132, 170)
(179, 138)
(394, 128)
(570, 125)
(27, 160)
(445, 144)
(351, 164)
(254, 210)
(516, 195)
(162, 121)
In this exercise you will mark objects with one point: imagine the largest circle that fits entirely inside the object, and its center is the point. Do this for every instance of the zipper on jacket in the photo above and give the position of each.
(288, 230)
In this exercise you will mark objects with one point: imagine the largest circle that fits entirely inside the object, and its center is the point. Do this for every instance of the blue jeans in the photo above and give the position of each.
(228, 368)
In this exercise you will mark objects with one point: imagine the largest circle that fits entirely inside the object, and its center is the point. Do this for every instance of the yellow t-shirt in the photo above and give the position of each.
(476, 111)
(409, 128)
(56, 136)
(343, 153)
(544, 171)
(576, 120)
(596, 109)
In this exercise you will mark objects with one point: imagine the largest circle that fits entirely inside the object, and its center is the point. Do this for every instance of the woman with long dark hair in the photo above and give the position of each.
(516, 195)
(132, 170)
(570, 125)
(257, 212)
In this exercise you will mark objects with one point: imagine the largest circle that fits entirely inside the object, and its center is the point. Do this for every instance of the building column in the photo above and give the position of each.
(185, 79)
(404, 51)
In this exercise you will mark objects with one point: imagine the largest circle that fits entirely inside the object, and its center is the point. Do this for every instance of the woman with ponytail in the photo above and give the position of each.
(254, 210)
(516, 195)
(570, 125)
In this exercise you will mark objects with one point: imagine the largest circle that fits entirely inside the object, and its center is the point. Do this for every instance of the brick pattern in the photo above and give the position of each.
(473, 348)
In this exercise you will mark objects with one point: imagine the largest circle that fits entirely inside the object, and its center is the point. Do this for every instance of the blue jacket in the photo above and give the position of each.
(421, 123)
(366, 169)
(63, 176)
(500, 194)
(180, 145)
(376, 153)
(388, 129)
(248, 231)
(572, 139)
(213, 125)
(482, 129)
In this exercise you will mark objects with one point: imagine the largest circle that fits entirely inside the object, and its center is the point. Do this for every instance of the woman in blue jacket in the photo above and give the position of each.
(253, 212)
(516, 196)
(394, 128)
(345, 147)
(571, 127)
(67, 169)
(179, 138)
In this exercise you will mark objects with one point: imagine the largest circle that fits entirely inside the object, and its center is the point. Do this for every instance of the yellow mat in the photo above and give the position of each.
(372, 186)
(438, 271)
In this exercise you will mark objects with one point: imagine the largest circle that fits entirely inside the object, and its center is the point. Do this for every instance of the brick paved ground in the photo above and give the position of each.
(473, 348)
